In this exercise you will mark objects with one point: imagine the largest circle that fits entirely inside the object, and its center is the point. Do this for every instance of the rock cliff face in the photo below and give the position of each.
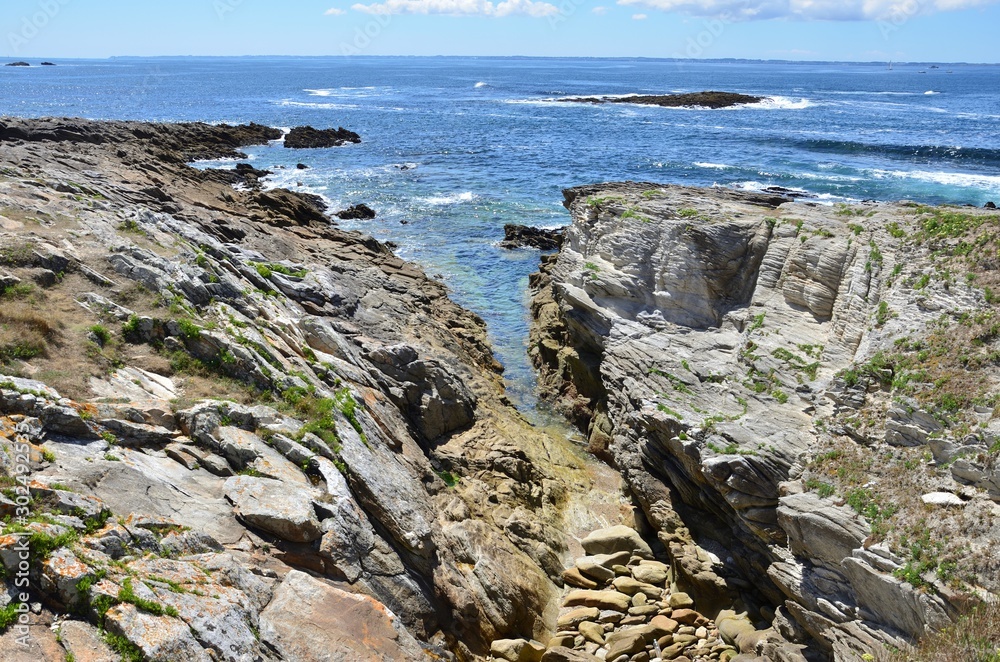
(801, 399)
(231, 431)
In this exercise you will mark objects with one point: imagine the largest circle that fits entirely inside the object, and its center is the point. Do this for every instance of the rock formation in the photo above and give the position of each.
(713, 100)
(520, 236)
(232, 431)
(356, 212)
(780, 384)
(306, 137)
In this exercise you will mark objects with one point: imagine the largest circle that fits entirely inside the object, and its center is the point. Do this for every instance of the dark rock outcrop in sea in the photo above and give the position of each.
(794, 398)
(247, 434)
(356, 212)
(519, 236)
(18, 64)
(306, 137)
(48, 64)
(713, 100)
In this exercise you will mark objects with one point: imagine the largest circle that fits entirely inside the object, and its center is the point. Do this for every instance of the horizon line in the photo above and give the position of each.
(505, 57)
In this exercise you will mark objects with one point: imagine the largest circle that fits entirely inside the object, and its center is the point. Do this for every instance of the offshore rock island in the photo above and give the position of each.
(713, 100)
(230, 430)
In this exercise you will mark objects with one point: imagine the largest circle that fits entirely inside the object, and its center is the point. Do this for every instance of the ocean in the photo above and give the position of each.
(454, 148)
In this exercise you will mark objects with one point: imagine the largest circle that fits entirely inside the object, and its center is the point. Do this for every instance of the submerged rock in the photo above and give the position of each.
(356, 212)
(518, 236)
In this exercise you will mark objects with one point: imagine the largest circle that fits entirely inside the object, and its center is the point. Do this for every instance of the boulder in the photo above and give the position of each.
(517, 650)
(283, 510)
(942, 499)
(356, 212)
(571, 620)
(564, 654)
(592, 632)
(599, 599)
(649, 574)
(574, 577)
(520, 236)
(83, 642)
(311, 621)
(160, 638)
(625, 642)
(62, 573)
(616, 539)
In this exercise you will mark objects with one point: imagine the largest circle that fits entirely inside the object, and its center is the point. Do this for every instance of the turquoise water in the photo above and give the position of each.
(457, 147)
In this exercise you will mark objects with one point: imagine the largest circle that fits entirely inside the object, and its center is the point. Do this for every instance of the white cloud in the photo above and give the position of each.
(834, 10)
(639, 17)
(600, 11)
(333, 11)
(460, 8)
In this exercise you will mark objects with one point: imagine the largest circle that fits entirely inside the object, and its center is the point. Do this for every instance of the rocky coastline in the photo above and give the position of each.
(794, 394)
(246, 434)
(231, 430)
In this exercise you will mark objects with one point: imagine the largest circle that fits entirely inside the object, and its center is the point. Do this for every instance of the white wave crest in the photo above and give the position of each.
(480, 84)
(453, 199)
(313, 104)
(780, 103)
(959, 179)
(713, 166)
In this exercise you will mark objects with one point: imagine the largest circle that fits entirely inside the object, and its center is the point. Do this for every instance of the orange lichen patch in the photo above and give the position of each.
(64, 566)
(87, 410)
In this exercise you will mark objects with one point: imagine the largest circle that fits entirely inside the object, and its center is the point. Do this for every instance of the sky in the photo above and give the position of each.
(845, 30)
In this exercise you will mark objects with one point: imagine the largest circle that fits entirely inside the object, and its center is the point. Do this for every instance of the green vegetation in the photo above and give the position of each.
(101, 333)
(8, 616)
(128, 651)
(599, 201)
(188, 329)
(131, 226)
(883, 314)
(687, 212)
(265, 269)
(669, 412)
(895, 231)
(875, 258)
(450, 479)
(869, 505)
(823, 489)
(975, 637)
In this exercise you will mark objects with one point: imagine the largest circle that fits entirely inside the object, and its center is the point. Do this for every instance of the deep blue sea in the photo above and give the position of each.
(457, 147)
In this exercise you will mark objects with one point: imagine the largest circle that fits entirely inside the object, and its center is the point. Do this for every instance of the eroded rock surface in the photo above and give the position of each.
(259, 408)
(779, 384)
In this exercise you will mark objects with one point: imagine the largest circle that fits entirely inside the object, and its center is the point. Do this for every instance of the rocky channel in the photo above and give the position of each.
(230, 430)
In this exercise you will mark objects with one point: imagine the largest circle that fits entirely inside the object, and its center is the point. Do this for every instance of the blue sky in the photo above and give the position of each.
(901, 30)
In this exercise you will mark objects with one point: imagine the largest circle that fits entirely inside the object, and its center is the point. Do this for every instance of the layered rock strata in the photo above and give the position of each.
(244, 434)
(800, 397)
